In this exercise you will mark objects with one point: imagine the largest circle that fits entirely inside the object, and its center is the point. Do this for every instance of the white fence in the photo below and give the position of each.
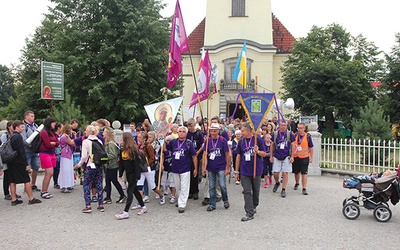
(360, 155)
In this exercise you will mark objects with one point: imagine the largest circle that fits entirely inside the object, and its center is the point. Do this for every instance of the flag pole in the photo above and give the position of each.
(195, 84)
(255, 139)
(161, 164)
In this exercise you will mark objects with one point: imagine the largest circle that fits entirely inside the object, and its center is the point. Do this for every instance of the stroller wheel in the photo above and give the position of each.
(382, 213)
(351, 199)
(351, 211)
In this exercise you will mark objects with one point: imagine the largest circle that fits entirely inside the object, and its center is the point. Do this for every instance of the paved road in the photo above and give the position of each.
(296, 222)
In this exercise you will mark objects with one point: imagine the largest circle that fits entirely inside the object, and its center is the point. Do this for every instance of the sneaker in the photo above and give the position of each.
(56, 186)
(122, 199)
(219, 199)
(162, 200)
(18, 196)
(247, 218)
(157, 196)
(100, 208)
(7, 197)
(142, 211)
(276, 186)
(94, 198)
(283, 194)
(35, 188)
(210, 208)
(16, 202)
(181, 210)
(87, 210)
(146, 199)
(226, 204)
(137, 206)
(107, 201)
(172, 200)
(304, 191)
(266, 185)
(205, 202)
(270, 180)
(237, 182)
(195, 196)
(122, 215)
(34, 201)
(296, 186)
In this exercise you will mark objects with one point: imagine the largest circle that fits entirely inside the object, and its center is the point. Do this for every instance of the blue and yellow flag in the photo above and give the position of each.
(240, 72)
(256, 106)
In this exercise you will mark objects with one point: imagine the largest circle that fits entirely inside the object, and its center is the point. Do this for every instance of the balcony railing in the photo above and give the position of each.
(233, 86)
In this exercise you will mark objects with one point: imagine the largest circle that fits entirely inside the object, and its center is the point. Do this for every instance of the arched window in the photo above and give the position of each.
(238, 7)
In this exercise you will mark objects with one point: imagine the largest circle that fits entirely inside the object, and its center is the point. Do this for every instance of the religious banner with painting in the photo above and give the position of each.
(162, 115)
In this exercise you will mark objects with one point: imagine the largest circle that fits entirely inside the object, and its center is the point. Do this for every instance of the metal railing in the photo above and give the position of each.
(360, 155)
(236, 86)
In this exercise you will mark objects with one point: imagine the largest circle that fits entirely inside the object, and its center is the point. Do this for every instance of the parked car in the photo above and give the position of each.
(339, 127)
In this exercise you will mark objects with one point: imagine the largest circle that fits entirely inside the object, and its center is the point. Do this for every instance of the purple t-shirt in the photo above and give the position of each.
(282, 148)
(181, 163)
(216, 154)
(245, 149)
(167, 161)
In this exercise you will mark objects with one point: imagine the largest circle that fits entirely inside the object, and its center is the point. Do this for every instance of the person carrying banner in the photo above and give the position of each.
(197, 138)
(182, 154)
(246, 152)
(281, 156)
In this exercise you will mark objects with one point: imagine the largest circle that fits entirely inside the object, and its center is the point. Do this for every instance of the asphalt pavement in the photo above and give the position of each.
(314, 221)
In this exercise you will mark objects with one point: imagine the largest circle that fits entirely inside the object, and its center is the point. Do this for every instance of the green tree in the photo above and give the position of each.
(67, 110)
(392, 82)
(373, 123)
(329, 72)
(114, 52)
(6, 86)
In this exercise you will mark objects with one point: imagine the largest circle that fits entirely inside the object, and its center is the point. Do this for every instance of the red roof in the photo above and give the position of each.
(282, 39)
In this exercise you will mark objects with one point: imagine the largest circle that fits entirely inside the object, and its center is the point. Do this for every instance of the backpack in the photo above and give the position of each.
(35, 144)
(140, 163)
(99, 153)
(7, 153)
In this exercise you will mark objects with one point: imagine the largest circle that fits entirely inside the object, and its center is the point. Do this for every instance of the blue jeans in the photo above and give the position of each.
(222, 184)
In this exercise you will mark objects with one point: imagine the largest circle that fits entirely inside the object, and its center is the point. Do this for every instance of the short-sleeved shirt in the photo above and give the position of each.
(217, 148)
(268, 151)
(245, 149)
(282, 147)
(167, 161)
(182, 163)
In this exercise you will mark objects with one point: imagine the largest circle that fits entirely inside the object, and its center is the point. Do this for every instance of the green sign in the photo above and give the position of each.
(52, 84)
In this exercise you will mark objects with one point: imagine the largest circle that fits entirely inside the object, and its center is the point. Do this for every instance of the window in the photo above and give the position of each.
(238, 7)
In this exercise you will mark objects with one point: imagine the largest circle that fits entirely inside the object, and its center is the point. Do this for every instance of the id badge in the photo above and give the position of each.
(247, 157)
(282, 146)
(299, 148)
(212, 156)
(177, 156)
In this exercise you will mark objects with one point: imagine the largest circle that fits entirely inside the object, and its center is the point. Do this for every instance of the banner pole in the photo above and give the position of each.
(195, 84)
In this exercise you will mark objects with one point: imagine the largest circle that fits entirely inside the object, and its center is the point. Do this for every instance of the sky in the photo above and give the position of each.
(376, 20)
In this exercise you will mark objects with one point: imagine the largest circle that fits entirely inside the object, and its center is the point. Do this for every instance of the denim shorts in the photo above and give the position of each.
(33, 160)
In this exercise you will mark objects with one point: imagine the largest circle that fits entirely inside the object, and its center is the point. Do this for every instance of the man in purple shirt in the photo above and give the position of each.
(217, 159)
(183, 153)
(281, 156)
(246, 151)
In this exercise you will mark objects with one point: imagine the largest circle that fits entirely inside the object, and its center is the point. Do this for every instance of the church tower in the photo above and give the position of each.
(228, 23)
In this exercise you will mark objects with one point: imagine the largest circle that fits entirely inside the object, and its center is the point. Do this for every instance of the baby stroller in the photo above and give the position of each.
(373, 195)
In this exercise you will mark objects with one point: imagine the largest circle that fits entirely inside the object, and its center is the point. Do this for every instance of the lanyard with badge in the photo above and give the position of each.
(247, 154)
(178, 154)
(214, 146)
(282, 139)
(299, 148)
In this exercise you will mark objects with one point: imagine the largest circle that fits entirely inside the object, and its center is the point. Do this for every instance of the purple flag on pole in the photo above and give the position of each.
(178, 44)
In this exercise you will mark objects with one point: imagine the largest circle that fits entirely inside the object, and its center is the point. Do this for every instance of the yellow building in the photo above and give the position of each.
(222, 32)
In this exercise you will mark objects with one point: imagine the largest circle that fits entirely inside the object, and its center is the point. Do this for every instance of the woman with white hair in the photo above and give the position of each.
(92, 174)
